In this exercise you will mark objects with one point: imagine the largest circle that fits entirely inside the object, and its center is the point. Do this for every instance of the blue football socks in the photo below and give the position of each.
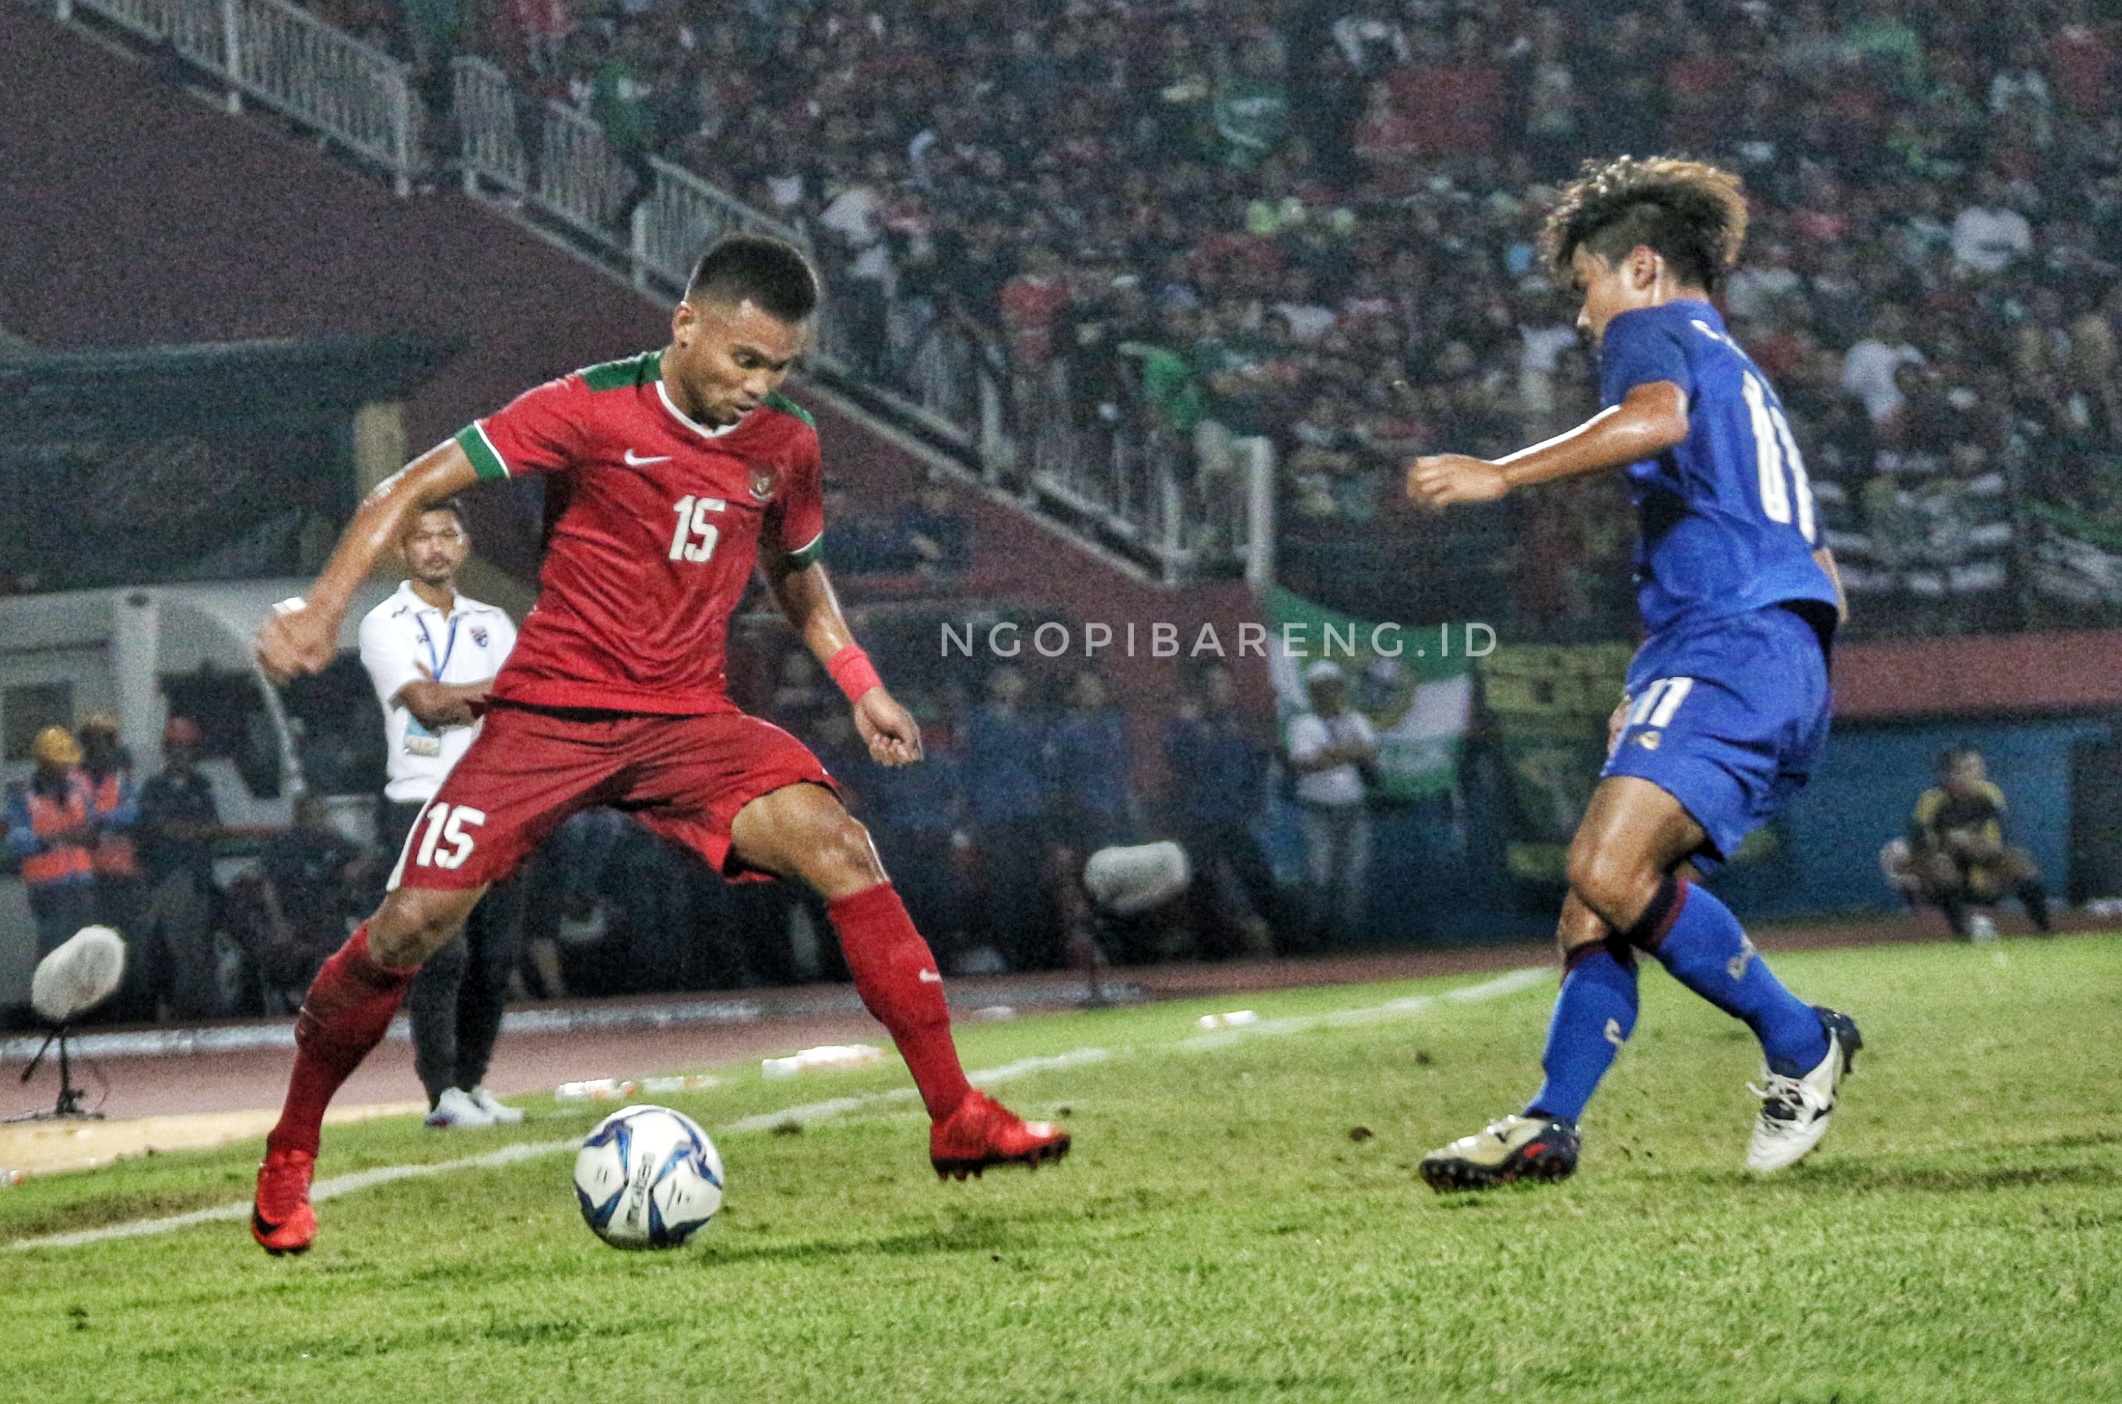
(1594, 1015)
(1707, 951)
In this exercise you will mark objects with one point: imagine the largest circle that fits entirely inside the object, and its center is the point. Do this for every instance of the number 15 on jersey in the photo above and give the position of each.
(696, 534)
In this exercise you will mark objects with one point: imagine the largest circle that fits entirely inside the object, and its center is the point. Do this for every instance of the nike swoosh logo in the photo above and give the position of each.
(635, 460)
(930, 977)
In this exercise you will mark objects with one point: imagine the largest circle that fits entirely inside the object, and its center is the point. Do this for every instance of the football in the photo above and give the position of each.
(648, 1177)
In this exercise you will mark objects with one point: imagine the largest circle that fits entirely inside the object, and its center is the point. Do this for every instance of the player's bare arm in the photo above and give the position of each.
(1649, 420)
(806, 596)
(1329, 757)
(436, 705)
(1825, 559)
(302, 636)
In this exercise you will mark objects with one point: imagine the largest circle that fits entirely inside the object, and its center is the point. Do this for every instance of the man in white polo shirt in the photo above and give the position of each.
(1332, 748)
(431, 654)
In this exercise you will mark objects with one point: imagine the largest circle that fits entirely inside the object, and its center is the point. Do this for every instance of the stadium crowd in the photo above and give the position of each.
(1314, 220)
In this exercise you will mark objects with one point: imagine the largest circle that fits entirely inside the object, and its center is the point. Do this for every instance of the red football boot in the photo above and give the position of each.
(281, 1219)
(983, 1132)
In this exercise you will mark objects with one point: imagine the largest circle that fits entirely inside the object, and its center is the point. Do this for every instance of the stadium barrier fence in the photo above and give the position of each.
(289, 60)
(1148, 498)
(1137, 492)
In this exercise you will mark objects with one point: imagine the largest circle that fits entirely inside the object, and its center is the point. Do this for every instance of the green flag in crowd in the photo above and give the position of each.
(1414, 681)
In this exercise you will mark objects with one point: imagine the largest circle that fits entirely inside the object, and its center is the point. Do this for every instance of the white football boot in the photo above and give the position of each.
(1795, 1110)
(456, 1108)
(493, 1106)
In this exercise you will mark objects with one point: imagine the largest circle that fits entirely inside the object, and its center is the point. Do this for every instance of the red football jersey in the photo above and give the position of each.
(655, 522)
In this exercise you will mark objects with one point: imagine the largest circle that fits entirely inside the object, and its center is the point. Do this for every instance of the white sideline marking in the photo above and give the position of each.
(323, 1189)
(986, 1077)
(1506, 984)
(818, 1111)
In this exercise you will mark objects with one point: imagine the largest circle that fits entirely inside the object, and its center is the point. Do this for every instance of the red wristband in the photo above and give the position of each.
(851, 668)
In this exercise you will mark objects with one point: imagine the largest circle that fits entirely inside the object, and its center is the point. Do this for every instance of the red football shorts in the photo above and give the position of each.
(530, 768)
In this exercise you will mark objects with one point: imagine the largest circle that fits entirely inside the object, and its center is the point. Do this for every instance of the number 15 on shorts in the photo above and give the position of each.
(444, 840)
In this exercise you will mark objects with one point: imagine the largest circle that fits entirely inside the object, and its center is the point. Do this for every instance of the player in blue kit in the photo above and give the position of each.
(1727, 701)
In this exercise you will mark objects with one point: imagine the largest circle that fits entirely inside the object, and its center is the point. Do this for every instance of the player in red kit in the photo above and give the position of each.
(670, 476)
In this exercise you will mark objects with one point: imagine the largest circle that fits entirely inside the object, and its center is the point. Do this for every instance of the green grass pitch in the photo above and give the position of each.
(1219, 1233)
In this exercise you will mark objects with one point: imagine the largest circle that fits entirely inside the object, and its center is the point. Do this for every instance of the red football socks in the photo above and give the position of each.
(346, 1013)
(897, 979)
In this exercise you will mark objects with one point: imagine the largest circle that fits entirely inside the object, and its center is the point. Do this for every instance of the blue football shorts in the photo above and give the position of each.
(1728, 716)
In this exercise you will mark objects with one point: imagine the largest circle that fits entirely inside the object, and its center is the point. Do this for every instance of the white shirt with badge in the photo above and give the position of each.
(1337, 786)
(406, 640)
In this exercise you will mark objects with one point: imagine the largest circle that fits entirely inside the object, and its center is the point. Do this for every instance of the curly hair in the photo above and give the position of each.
(1691, 213)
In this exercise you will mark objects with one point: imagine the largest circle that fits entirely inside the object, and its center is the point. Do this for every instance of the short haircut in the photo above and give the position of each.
(452, 505)
(771, 274)
(1950, 758)
(1690, 213)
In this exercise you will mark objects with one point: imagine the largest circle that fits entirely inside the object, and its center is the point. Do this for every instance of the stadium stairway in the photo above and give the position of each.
(136, 213)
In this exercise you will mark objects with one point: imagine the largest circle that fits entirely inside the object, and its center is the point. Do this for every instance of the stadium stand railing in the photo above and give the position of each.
(291, 61)
(1195, 507)
(1136, 492)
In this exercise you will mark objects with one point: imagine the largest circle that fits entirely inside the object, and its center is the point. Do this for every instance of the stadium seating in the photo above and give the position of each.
(1307, 203)
(1313, 222)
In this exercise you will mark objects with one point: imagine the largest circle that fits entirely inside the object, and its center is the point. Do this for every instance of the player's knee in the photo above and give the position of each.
(845, 858)
(1614, 889)
(415, 922)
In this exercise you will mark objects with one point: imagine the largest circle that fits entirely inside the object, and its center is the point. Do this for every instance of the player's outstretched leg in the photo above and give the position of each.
(1594, 1015)
(898, 981)
(803, 831)
(1625, 865)
(345, 1014)
(1807, 1050)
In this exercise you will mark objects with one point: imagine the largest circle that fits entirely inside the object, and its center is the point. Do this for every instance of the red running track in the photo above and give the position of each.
(536, 1062)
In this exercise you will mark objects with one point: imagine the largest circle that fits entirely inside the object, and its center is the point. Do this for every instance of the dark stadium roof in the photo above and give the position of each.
(192, 387)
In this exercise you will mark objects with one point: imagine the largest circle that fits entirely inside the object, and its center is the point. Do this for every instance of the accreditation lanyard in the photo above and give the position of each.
(449, 646)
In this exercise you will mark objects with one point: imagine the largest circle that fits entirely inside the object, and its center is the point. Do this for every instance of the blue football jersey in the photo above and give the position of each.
(1727, 514)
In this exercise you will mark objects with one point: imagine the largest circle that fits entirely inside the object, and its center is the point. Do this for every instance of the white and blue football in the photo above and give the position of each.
(648, 1177)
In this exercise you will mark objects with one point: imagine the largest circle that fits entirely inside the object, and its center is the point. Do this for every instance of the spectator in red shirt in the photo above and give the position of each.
(1455, 98)
(1700, 85)
(1388, 141)
(2081, 61)
(543, 27)
(1032, 304)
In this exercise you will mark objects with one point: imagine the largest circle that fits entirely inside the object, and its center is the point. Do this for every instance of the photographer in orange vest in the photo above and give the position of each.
(49, 826)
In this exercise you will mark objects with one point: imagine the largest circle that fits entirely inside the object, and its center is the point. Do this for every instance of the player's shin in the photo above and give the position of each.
(346, 1013)
(897, 978)
(1697, 938)
(1594, 1015)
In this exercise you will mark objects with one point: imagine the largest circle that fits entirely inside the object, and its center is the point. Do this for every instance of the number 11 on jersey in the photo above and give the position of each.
(1775, 452)
(696, 534)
